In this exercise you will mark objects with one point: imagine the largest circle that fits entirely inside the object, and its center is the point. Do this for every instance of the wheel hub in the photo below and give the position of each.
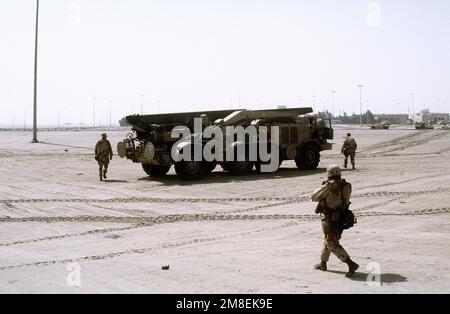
(310, 156)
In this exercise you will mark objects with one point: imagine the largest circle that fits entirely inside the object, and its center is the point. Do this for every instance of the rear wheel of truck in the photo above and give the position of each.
(241, 165)
(155, 171)
(308, 157)
(190, 170)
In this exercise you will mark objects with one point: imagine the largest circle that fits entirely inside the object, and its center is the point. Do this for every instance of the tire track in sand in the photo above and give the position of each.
(67, 235)
(214, 200)
(209, 239)
(391, 142)
(409, 144)
(150, 249)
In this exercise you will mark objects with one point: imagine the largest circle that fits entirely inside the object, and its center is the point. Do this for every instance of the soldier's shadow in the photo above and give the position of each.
(384, 278)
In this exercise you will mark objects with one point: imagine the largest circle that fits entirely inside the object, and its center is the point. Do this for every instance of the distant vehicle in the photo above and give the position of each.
(442, 125)
(301, 138)
(385, 125)
(424, 126)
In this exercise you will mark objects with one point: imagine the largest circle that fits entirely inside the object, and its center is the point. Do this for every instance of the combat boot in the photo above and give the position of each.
(352, 268)
(101, 178)
(104, 174)
(322, 266)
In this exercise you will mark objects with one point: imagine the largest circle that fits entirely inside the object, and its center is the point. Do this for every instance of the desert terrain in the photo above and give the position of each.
(223, 234)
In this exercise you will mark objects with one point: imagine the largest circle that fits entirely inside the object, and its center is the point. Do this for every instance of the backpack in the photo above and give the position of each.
(347, 219)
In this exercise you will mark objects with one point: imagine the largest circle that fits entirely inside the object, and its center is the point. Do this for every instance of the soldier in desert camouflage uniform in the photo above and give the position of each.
(103, 154)
(349, 150)
(333, 196)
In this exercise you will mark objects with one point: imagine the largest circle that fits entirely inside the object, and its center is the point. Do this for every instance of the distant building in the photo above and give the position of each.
(426, 116)
(282, 107)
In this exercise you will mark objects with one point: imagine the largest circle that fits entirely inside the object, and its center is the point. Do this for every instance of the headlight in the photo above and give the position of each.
(149, 151)
(121, 149)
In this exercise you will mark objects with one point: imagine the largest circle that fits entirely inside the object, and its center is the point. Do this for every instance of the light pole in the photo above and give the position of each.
(35, 140)
(360, 104)
(93, 111)
(412, 107)
(110, 119)
(367, 111)
(333, 92)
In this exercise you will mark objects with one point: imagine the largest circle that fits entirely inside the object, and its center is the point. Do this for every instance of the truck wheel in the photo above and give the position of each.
(155, 171)
(308, 157)
(239, 168)
(190, 170)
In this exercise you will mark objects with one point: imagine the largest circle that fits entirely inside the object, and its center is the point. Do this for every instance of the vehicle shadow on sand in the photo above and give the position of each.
(115, 181)
(225, 177)
(384, 278)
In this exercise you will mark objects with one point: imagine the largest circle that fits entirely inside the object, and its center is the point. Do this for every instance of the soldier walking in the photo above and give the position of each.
(349, 150)
(103, 154)
(333, 196)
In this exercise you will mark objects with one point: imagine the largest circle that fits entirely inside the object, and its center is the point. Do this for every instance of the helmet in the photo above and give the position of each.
(333, 171)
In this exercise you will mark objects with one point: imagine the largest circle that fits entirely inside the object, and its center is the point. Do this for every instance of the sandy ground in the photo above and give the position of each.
(253, 234)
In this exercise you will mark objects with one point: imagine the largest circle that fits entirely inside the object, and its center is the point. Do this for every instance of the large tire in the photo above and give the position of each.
(308, 158)
(190, 170)
(155, 171)
(239, 168)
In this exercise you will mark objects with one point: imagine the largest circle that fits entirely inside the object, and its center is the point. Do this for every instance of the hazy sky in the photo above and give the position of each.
(191, 54)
